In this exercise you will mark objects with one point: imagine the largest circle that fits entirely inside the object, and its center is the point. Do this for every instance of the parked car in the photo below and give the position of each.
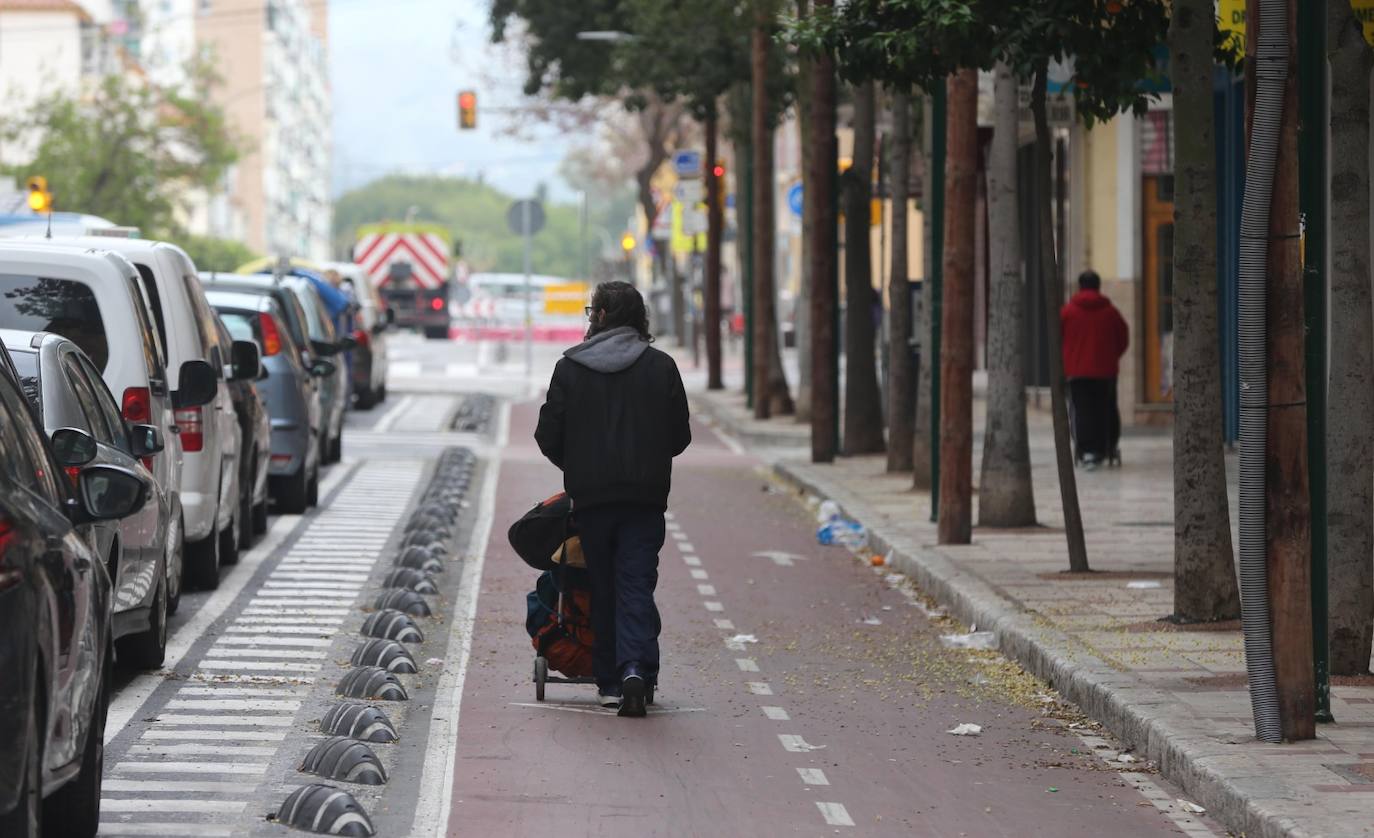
(96, 299)
(255, 434)
(208, 433)
(56, 652)
(371, 322)
(66, 392)
(291, 389)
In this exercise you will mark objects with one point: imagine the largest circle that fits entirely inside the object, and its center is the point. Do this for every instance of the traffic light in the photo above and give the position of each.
(40, 199)
(467, 110)
(627, 243)
(719, 170)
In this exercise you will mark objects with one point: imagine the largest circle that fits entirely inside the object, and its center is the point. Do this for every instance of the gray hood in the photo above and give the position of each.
(611, 351)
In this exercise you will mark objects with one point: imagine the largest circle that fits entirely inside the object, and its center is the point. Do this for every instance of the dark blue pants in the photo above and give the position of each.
(621, 543)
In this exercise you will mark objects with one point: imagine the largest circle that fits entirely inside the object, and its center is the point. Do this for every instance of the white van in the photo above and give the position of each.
(95, 299)
(208, 433)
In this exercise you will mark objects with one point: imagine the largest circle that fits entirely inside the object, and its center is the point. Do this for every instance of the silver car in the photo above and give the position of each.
(291, 392)
(67, 391)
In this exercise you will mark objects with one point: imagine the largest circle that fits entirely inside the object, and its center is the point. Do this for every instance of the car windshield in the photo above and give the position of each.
(26, 363)
(314, 316)
(65, 307)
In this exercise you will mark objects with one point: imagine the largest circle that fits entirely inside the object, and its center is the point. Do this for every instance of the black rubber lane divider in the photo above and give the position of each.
(363, 722)
(385, 654)
(393, 625)
(342, 758)
(326, 810)
(410, 579)
(372, 683)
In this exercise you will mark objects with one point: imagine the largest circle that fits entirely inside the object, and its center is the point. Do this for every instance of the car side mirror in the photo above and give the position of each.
(245, 360)
(324, 348)
(322, 368)
(72, 447)
(145, 440)
(347, 343)
(110, 492)
(198, 385)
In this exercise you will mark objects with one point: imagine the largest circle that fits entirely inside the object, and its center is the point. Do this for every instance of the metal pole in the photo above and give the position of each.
(937, 257)
(529, 324)
(1312, 208)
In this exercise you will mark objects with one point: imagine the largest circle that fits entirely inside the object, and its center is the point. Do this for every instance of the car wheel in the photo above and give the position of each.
(147, 649)
(246, 533)
(175, 568)
(229, 539)
(294, 495)
(336, 448)
(74, 809)
(312, 491)
(381, 394)
(202, 562)
(26, 819)
(365, 399)
(259, 517)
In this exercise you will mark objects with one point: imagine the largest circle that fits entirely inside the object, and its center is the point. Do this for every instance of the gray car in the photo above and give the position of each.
(326, 341)
(291, 390)
(67, 392)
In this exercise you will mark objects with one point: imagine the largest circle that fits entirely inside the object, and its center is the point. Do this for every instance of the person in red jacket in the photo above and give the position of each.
(1095, 336)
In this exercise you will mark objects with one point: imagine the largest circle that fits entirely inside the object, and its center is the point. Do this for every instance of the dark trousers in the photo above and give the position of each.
(621, 543)
(1095, 416)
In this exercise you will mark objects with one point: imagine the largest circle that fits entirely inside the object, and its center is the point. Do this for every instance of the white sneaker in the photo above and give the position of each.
(611, 700)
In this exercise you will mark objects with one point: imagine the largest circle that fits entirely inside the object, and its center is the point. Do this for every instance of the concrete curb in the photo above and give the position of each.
(1139, 715)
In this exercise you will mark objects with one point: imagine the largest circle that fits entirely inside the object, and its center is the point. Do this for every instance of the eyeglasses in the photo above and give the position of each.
(589, 310)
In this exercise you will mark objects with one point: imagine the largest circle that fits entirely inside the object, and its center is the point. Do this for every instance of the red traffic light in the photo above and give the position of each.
(718, 171)
(467, 99)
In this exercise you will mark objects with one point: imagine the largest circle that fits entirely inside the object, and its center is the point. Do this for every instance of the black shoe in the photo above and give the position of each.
(633, 689)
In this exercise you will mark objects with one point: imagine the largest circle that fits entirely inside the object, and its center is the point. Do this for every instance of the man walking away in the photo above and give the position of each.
(1095, 337)
(615, 417)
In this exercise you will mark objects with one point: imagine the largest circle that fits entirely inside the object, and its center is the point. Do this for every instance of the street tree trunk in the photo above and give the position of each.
(770, 383)
(1053, 282)
(956, 350)
(1204, 561)
(863, 409)
(920, 447)
(805, 80)
(1006, 497)
(901, 371)
(821, 254)
(715, 227)
(1351, 436)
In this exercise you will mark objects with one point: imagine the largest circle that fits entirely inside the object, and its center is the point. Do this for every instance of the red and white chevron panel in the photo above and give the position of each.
(427, 254)
(478, 308)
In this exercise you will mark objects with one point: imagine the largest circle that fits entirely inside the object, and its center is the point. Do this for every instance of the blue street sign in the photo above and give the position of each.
(687, 163)
(794, 199)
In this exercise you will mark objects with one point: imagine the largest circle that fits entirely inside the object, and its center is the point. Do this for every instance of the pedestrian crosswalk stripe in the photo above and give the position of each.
(231, 807)
(214, 735)
(216, 721)
(255, 768)
(260, 640)
(210, 786)
(268, 666)
(835, 814)
(257, 691)
(233, 704)
(284, 654)
(199, 749)
(177, 830)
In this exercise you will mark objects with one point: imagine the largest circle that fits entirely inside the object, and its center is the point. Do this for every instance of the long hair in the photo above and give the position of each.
(622, 305)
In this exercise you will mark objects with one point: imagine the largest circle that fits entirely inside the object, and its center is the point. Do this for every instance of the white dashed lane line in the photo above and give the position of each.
(834, 814)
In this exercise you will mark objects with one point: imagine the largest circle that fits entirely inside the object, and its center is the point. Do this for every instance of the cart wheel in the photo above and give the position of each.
(541, 675)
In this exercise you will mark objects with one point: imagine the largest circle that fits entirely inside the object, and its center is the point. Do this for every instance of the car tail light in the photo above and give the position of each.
(363, 338)
(271, 335)
(137, 405)
(437, 304)
(192, 428)
(9, 575)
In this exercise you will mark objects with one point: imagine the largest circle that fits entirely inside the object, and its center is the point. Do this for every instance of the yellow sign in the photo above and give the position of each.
(565, 298)
(1364, 13)
(684, 243)
(1231, 20)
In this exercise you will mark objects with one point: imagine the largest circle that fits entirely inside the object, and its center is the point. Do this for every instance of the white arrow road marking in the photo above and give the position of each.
(780, 557)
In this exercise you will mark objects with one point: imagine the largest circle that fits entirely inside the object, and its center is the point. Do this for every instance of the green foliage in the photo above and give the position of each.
(475, 215)
(131, 152)
(1113, 44)
(212, 254)
(556, 60)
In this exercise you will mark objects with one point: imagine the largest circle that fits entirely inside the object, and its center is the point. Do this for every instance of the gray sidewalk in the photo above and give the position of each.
(1178, 697)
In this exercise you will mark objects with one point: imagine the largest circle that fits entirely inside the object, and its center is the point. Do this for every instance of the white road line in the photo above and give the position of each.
(691, 561)
(435, 800)
(176, 749)
(262, 640)
(673, 526)
(813, 777)
(777, 714)
(215, 735)
(313, 631)
(724, 624)
(232, 704)
(685, 547)
(794, 744)
(706, 590)
(727, 440)
(223, 720)
(746, 665)
(760, 688)
(835, 814)
(391, 416)
(307, 594)
(700, 574)
(177, 785)
(267, 654)
(258, 691)
(285, 611)
(260, 666)
(255, 768)
(311, 623)
(714, 606)
(177, 830)
(678, 535)
(228, 807)
(292, 579)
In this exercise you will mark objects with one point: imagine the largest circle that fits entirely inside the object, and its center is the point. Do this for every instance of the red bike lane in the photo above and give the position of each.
(800, 695)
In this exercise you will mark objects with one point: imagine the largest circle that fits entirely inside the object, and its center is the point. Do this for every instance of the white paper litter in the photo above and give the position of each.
(434, 662)
(966, 729)
(1189, 806)
(972, 640)
(871, 621)
(1125, 757)
(1143, 583)
(743, 638)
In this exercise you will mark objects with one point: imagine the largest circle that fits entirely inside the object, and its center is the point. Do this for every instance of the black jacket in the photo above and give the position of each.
(615, 417)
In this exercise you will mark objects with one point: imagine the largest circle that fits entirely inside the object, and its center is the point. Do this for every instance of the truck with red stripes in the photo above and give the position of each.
(410, 264)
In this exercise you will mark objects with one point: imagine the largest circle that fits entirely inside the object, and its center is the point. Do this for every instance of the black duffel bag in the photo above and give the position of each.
(540, 533)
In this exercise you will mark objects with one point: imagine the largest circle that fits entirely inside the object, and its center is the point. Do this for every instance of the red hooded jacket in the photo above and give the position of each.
(1095, 336)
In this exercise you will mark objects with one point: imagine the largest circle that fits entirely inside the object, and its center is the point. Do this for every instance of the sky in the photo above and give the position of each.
(396, 69)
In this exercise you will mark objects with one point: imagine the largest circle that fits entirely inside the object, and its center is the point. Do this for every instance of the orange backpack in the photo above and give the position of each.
(565, 640)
